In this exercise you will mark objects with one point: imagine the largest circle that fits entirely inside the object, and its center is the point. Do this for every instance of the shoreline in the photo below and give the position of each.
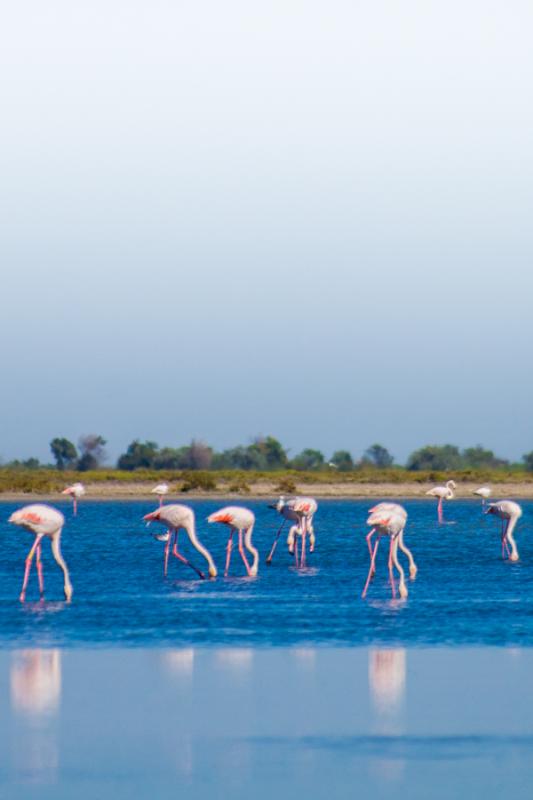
(267, 490)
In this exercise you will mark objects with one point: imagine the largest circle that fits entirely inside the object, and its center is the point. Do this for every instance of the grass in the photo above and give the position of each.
(49, 481)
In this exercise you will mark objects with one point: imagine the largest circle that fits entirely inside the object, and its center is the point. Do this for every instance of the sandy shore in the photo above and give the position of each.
(265, 489)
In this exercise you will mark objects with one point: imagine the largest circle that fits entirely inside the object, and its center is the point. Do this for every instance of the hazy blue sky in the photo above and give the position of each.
(310, 219)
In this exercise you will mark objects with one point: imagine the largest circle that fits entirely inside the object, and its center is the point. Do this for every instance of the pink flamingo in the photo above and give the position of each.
(239, 520)
(300, 510)
(177, 517)
(42, 521)
(75, 491)
(484, 492)
(509, 513)
(387, 523)
(400, 510)
(160, 490)
(442, 493)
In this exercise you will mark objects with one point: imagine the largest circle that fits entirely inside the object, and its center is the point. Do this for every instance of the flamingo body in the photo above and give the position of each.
(387, 519)
(160, 490)
(42, 520)
(75, 491)
(301, 511)
(509, 512)
(239, 520)
(178, 517)
(442, 493)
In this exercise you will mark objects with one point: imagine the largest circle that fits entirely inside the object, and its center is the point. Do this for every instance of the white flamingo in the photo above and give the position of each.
(387, 523)
(160, 490)
(177, 517)
(300, 510)
(484, 492)
(75, 491)
(239, 520)
(396, 508)
(443, 493)
(509, 512)
(42, 521)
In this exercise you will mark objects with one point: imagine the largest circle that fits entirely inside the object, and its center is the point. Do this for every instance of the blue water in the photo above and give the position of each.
(464, 593)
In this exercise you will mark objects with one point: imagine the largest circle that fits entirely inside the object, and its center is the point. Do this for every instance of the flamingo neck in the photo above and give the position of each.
(251, 549)
(56, 550)
(196, 543)
(510, 538)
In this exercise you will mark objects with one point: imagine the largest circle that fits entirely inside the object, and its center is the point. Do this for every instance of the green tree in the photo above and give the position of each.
(479, 458)
(64, 453)
(527, 458)
(92, 449)
(138, 455)
(308, 459)
(343, 460)
(435, 458)
(378, 456)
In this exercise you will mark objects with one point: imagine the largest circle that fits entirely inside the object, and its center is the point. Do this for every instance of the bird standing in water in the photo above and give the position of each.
(509, 512)
(239, 520)
(177, 517)
(301, 511)
(42, 520)
(75, 491)
(387, 523)
(160, 490)
(484, 492)
(442, 493)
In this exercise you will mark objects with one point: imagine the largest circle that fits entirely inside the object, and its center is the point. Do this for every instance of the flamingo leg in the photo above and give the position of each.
(29, 559)
(269, 557)
(440, 515)
(40, 571)
(311, 535)
(304, 532)
(372, 569)
(402, 587)
(160, 500)
(243, 554)
(369, 543)
(391, 572)
(296, 551)
(180, 557)
(505, 544)
(75, 505)
(167, 553)
(229, 548)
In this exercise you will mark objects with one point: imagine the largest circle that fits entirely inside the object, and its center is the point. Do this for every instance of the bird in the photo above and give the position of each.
(42, 520)
(300, 510)
(397, 508)
(509, 512)
(387, 523)
(75, 491)
(239, 520)
(160, 490)
(443, 493)
(178, 517)
(484, 492)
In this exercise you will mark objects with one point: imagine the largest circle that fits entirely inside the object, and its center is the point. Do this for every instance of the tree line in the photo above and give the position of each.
(264, 454)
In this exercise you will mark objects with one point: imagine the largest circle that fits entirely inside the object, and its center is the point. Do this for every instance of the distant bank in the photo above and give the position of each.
(109, 484)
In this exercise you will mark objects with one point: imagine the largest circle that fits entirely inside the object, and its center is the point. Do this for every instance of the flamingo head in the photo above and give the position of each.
(152, 516)
(451, 485)
(279, 505)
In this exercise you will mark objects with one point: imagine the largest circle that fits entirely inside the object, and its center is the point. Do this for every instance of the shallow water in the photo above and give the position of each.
(464, 593)
(282, 722)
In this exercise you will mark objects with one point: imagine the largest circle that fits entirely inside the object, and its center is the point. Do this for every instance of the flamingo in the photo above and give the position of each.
(387, 523)
(484, 492)
(300, 510)
(400, 510)
(509, 513)
(75, 491)
(443, 493)
(43, 521)
(178, 517)
(160, 490)
(241, 520)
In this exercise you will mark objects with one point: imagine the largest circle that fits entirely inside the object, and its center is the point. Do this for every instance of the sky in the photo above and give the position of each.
(297, 218)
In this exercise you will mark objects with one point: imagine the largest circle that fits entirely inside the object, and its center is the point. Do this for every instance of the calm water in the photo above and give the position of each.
(464, 593)
(318, 723)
